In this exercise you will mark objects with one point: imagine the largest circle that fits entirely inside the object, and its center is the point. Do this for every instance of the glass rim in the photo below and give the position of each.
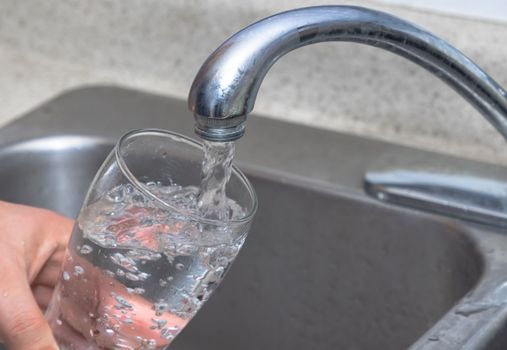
(189, 141)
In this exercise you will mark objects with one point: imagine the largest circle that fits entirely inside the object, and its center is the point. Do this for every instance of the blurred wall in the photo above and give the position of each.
(156, 45)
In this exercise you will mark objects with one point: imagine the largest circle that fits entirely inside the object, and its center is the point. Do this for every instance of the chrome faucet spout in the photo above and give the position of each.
(225, 88)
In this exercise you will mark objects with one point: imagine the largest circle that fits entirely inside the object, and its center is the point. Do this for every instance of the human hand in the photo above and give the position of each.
(32, 248)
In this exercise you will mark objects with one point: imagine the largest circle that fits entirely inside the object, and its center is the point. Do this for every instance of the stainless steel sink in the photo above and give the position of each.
(325, 266)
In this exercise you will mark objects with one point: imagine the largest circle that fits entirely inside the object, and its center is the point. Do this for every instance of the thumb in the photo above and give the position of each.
(22, 324)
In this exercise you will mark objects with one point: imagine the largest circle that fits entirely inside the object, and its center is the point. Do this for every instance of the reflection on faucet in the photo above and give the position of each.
(225, 88)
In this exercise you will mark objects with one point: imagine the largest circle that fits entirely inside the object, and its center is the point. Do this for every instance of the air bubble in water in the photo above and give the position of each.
(167, 334)
(139, 199)
(158, 323)
(151, 343)
(137, 277)
(85, 249)
(78, 270)
(123, 302)
(135, 290)
(117, 194)
(160, 307)
(127, 263)
(132, 276)
(129, 189)
(143, 255)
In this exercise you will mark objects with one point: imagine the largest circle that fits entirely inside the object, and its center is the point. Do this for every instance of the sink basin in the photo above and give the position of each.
(332, 272)
(52, 173)
(324, 266)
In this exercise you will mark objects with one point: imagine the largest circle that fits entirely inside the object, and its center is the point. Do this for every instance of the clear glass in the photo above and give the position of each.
(139, 266)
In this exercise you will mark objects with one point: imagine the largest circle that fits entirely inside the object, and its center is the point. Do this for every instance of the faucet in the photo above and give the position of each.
(225, 88)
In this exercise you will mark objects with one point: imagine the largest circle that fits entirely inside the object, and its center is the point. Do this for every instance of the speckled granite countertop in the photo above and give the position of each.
(156, 45)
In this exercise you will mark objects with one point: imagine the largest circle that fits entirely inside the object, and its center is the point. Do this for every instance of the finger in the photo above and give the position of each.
(49, 275)
(49, 252)
(42, 295)
(22, 324)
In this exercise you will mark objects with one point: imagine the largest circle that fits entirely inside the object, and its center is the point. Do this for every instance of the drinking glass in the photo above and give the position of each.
(141, 261)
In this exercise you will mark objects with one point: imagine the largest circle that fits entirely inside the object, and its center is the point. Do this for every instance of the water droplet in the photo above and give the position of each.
(109, 331)
(66, 276)
(59, 322)
(473, 308)
(180, 266)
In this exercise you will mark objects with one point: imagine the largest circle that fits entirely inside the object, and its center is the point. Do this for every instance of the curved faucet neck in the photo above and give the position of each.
(226, 86)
